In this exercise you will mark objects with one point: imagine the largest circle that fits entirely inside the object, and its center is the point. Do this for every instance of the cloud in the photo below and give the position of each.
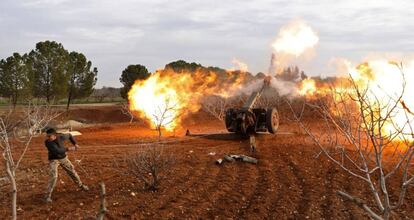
(114, 34)
(108, 35)
(41, 3)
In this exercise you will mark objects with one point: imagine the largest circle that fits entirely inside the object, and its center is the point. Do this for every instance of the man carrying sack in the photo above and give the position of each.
(57, 157)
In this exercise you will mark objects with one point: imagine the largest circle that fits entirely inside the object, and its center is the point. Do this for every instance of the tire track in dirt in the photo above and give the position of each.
(327, 195)
(261, 182)
(182, 201)
(184, 186)
(281, 200)
(227, 181)
(301, 206)
(239, 191)
(194, 196)
(333, 205)
(348, 206)
(260, 196)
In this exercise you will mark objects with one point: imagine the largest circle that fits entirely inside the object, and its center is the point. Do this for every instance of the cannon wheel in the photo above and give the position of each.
(228, 119)
(272, 120)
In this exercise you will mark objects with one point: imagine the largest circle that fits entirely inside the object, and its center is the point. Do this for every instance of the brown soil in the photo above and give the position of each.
(287, 183)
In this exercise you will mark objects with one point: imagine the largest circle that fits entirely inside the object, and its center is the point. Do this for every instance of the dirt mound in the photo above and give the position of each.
(70, 124)
(98, 114)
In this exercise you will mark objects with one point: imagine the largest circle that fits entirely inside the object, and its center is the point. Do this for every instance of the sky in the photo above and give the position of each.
(116, 33)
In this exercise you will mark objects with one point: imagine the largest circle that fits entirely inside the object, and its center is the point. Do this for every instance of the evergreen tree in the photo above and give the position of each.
(48, 64)
(181, 65)
(130, 75)
(81, 78)
(303, 75)
(14, 77)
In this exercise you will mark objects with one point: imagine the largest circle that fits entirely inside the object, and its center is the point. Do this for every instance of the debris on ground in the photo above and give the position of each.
(67, 131)
(236, 157)
(70, 124)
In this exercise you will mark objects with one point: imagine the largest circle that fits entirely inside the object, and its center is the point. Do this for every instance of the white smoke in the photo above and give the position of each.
(239, 65)
(294, 43)
(285, 88)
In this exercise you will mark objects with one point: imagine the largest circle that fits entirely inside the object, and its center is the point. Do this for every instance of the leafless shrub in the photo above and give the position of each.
(216, 106)
(355, 139)
(267, 101)
(150, 166)
(16, 133)
(126, 111)
(240, 99)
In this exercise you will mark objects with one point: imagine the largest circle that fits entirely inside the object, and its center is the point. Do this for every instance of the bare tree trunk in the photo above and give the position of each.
(14, 100)
(361, 204)
(48, 98)
(36, 119)
(102, 209)
(69, 100)
(12, 179)
(159, 133)
(70, 94)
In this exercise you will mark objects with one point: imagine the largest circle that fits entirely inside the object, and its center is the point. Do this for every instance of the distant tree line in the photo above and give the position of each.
(292, 74)
(105, 93)
(48, 72)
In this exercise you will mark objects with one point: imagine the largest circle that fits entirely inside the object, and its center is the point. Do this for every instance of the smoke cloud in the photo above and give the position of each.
(239, 65)
(294, 42)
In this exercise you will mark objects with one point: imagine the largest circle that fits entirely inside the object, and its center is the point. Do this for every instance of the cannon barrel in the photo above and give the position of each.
(256, 95)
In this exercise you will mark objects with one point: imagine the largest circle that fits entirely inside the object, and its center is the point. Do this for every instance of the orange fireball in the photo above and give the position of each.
(166, 97)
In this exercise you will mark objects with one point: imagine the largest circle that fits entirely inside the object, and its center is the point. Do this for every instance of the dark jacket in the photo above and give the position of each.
(56, 149)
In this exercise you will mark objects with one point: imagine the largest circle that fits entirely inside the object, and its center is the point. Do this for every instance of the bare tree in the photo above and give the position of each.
(216, 106)
(150, 166)
(266, 101)
(126, 111)
(165, 115)
(102, 209)
(362, 136)
(17, 130)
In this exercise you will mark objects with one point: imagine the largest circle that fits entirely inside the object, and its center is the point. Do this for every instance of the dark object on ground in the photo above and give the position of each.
(248, 120)
(236, 157)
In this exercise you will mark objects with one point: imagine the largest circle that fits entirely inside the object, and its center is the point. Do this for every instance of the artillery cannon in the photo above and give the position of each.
(248, 120)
